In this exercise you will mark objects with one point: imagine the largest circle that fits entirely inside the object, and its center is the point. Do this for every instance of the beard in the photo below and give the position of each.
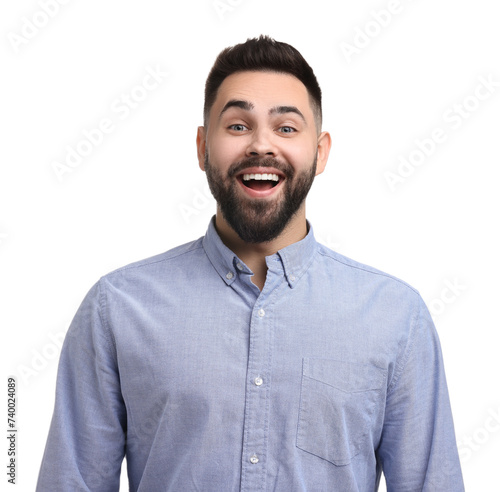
(259, 220)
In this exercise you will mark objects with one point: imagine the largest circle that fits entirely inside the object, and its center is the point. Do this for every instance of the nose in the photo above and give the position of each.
(262, 144)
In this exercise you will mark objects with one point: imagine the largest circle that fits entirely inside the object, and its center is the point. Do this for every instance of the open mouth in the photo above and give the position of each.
(260, 182)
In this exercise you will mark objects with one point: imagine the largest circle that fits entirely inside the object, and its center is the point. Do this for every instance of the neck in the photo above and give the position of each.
(254, 254)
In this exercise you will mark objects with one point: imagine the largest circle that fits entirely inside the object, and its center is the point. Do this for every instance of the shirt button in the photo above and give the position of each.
(239, 266)
(261, 313)
(292, 278)
(254, 460)
(258, 381)
(229, 275)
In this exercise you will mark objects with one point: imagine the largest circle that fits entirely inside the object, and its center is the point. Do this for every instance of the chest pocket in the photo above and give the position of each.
(339, 404)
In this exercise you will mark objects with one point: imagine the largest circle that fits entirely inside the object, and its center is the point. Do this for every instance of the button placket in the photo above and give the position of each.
(257, 394)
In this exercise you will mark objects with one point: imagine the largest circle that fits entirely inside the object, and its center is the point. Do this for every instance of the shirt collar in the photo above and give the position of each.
(295, 258)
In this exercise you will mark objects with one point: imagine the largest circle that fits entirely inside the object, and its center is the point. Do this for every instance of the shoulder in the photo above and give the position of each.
(352, 272)
(157, 265)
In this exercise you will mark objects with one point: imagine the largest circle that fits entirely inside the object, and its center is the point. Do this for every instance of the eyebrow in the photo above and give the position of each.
(287, 109)
(248, 106)
(236, 103)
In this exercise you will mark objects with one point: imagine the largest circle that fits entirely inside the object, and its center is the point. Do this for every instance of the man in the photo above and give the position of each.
(254, 358)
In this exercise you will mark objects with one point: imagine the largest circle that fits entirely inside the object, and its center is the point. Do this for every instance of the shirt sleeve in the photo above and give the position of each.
(86, 442)
(418, 449)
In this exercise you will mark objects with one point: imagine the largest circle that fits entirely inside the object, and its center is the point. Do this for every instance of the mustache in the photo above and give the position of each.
(256, 161)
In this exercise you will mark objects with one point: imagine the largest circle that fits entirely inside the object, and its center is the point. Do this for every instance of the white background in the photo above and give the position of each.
(140, 191)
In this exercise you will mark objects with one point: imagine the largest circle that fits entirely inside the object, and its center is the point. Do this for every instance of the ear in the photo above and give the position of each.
(324, 145)
(201, 144)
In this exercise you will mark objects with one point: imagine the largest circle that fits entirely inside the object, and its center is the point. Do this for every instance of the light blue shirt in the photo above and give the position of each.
(330, 376)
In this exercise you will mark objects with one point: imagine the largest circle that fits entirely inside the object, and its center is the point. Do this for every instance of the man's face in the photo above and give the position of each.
(260, 152)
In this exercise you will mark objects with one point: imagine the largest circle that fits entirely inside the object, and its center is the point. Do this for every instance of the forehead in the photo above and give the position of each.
(264, 90)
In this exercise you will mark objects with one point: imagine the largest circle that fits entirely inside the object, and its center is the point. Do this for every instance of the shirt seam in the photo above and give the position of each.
(369, 270)
(111, 342)
(408, 350)
(110, 338)
(146, 263)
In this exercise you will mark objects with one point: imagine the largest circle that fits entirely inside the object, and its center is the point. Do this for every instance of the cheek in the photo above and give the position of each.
(223, 150)
(300, 156)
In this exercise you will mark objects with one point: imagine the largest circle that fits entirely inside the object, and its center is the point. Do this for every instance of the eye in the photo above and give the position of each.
(286, 129)
(238, 127)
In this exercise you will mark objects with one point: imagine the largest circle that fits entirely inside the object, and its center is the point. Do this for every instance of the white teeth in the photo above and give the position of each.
(267, 177)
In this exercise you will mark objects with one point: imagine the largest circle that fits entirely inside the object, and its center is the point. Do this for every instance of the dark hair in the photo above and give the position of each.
(262, 54)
